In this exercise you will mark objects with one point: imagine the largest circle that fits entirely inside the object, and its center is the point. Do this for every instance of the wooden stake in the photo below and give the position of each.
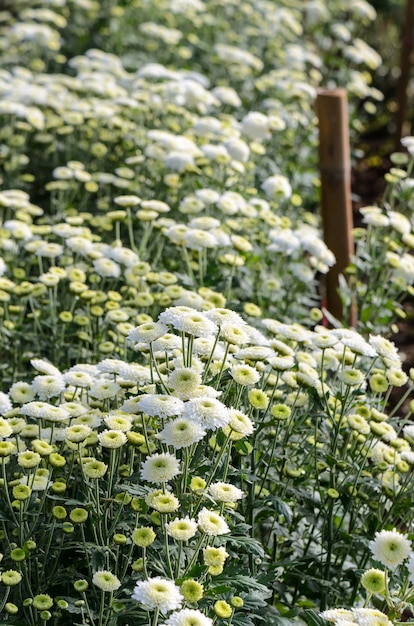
(407, 46)
(335, 170)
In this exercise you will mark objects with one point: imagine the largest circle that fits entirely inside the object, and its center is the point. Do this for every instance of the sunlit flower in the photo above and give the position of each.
(158, 593)
(182, 529)
(188, 617)
(244, 374)
(106, 580)
(214, 556)
(211, 523)
(112, 439)
(225, 492)
(160, 468)
(210, 413)
(184, 381)
(160, 405)
(390, 548)
(162, 501)
(181, 433)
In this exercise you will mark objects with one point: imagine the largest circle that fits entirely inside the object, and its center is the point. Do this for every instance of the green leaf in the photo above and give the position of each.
(313, 619)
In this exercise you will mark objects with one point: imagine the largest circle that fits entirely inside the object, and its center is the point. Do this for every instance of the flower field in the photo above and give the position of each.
(187, 436)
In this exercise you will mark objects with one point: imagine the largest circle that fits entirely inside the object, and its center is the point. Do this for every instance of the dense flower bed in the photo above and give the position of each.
(183, 440)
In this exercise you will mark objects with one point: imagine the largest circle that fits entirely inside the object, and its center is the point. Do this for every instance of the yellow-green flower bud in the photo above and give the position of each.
(192, 590)
(222, 609)
(11, 608)
(138, 565)
(59, 512)
(197, 483)
(42, 602)
(374, 580)
(17, 555)
(119, 539)
(56, 460)
(80, 585)
(67, 527)
(21, 492)
(78, 515)
(59, 486)
(10, 578)
(143, 537)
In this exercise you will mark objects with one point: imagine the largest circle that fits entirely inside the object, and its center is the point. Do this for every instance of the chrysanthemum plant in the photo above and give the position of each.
(388, 589)
(217, 466)
(382, 271)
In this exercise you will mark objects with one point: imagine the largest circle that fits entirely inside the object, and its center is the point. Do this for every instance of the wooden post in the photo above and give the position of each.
(335, 170)
(407, 45)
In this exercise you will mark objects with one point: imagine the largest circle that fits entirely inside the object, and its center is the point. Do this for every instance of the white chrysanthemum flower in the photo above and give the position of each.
(396, 377)
(158, 593)
(390, 548)
(178, 161)
(189, 298)
(182, 529)
(38, 482)
(44, 367)
(371, 617)
(46, 411)
(173, 314)
(254, 353)
(167, 343)
(244, 374)
(384, 348)
(240, 423)
(110, 366)
(256, 126)
(333, 615)
(277, 187)
(49, 250)
(161, 405)
(48, 386)
(21, 392)
(106, 268)
(196, 324)
(410, 567)
(136, 373)
(206, 346)
(225, 492)
(184, 381)
(281, 363)
(358, 423)
(5, 403)
(79, 244)
(90, 418)
(234, 334)
(160, 468)
(119, 421)
(211, 523)
(106, 581)
(5, 429)
(162, 501)
(408, 456)
(124, 255)
(103, 389)
(188, 617)
(77, 432)
(220, 316)
(181, 433)
(148, 332)
(351, 376)
(78, 379)
(209, 412)
(112, 439)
